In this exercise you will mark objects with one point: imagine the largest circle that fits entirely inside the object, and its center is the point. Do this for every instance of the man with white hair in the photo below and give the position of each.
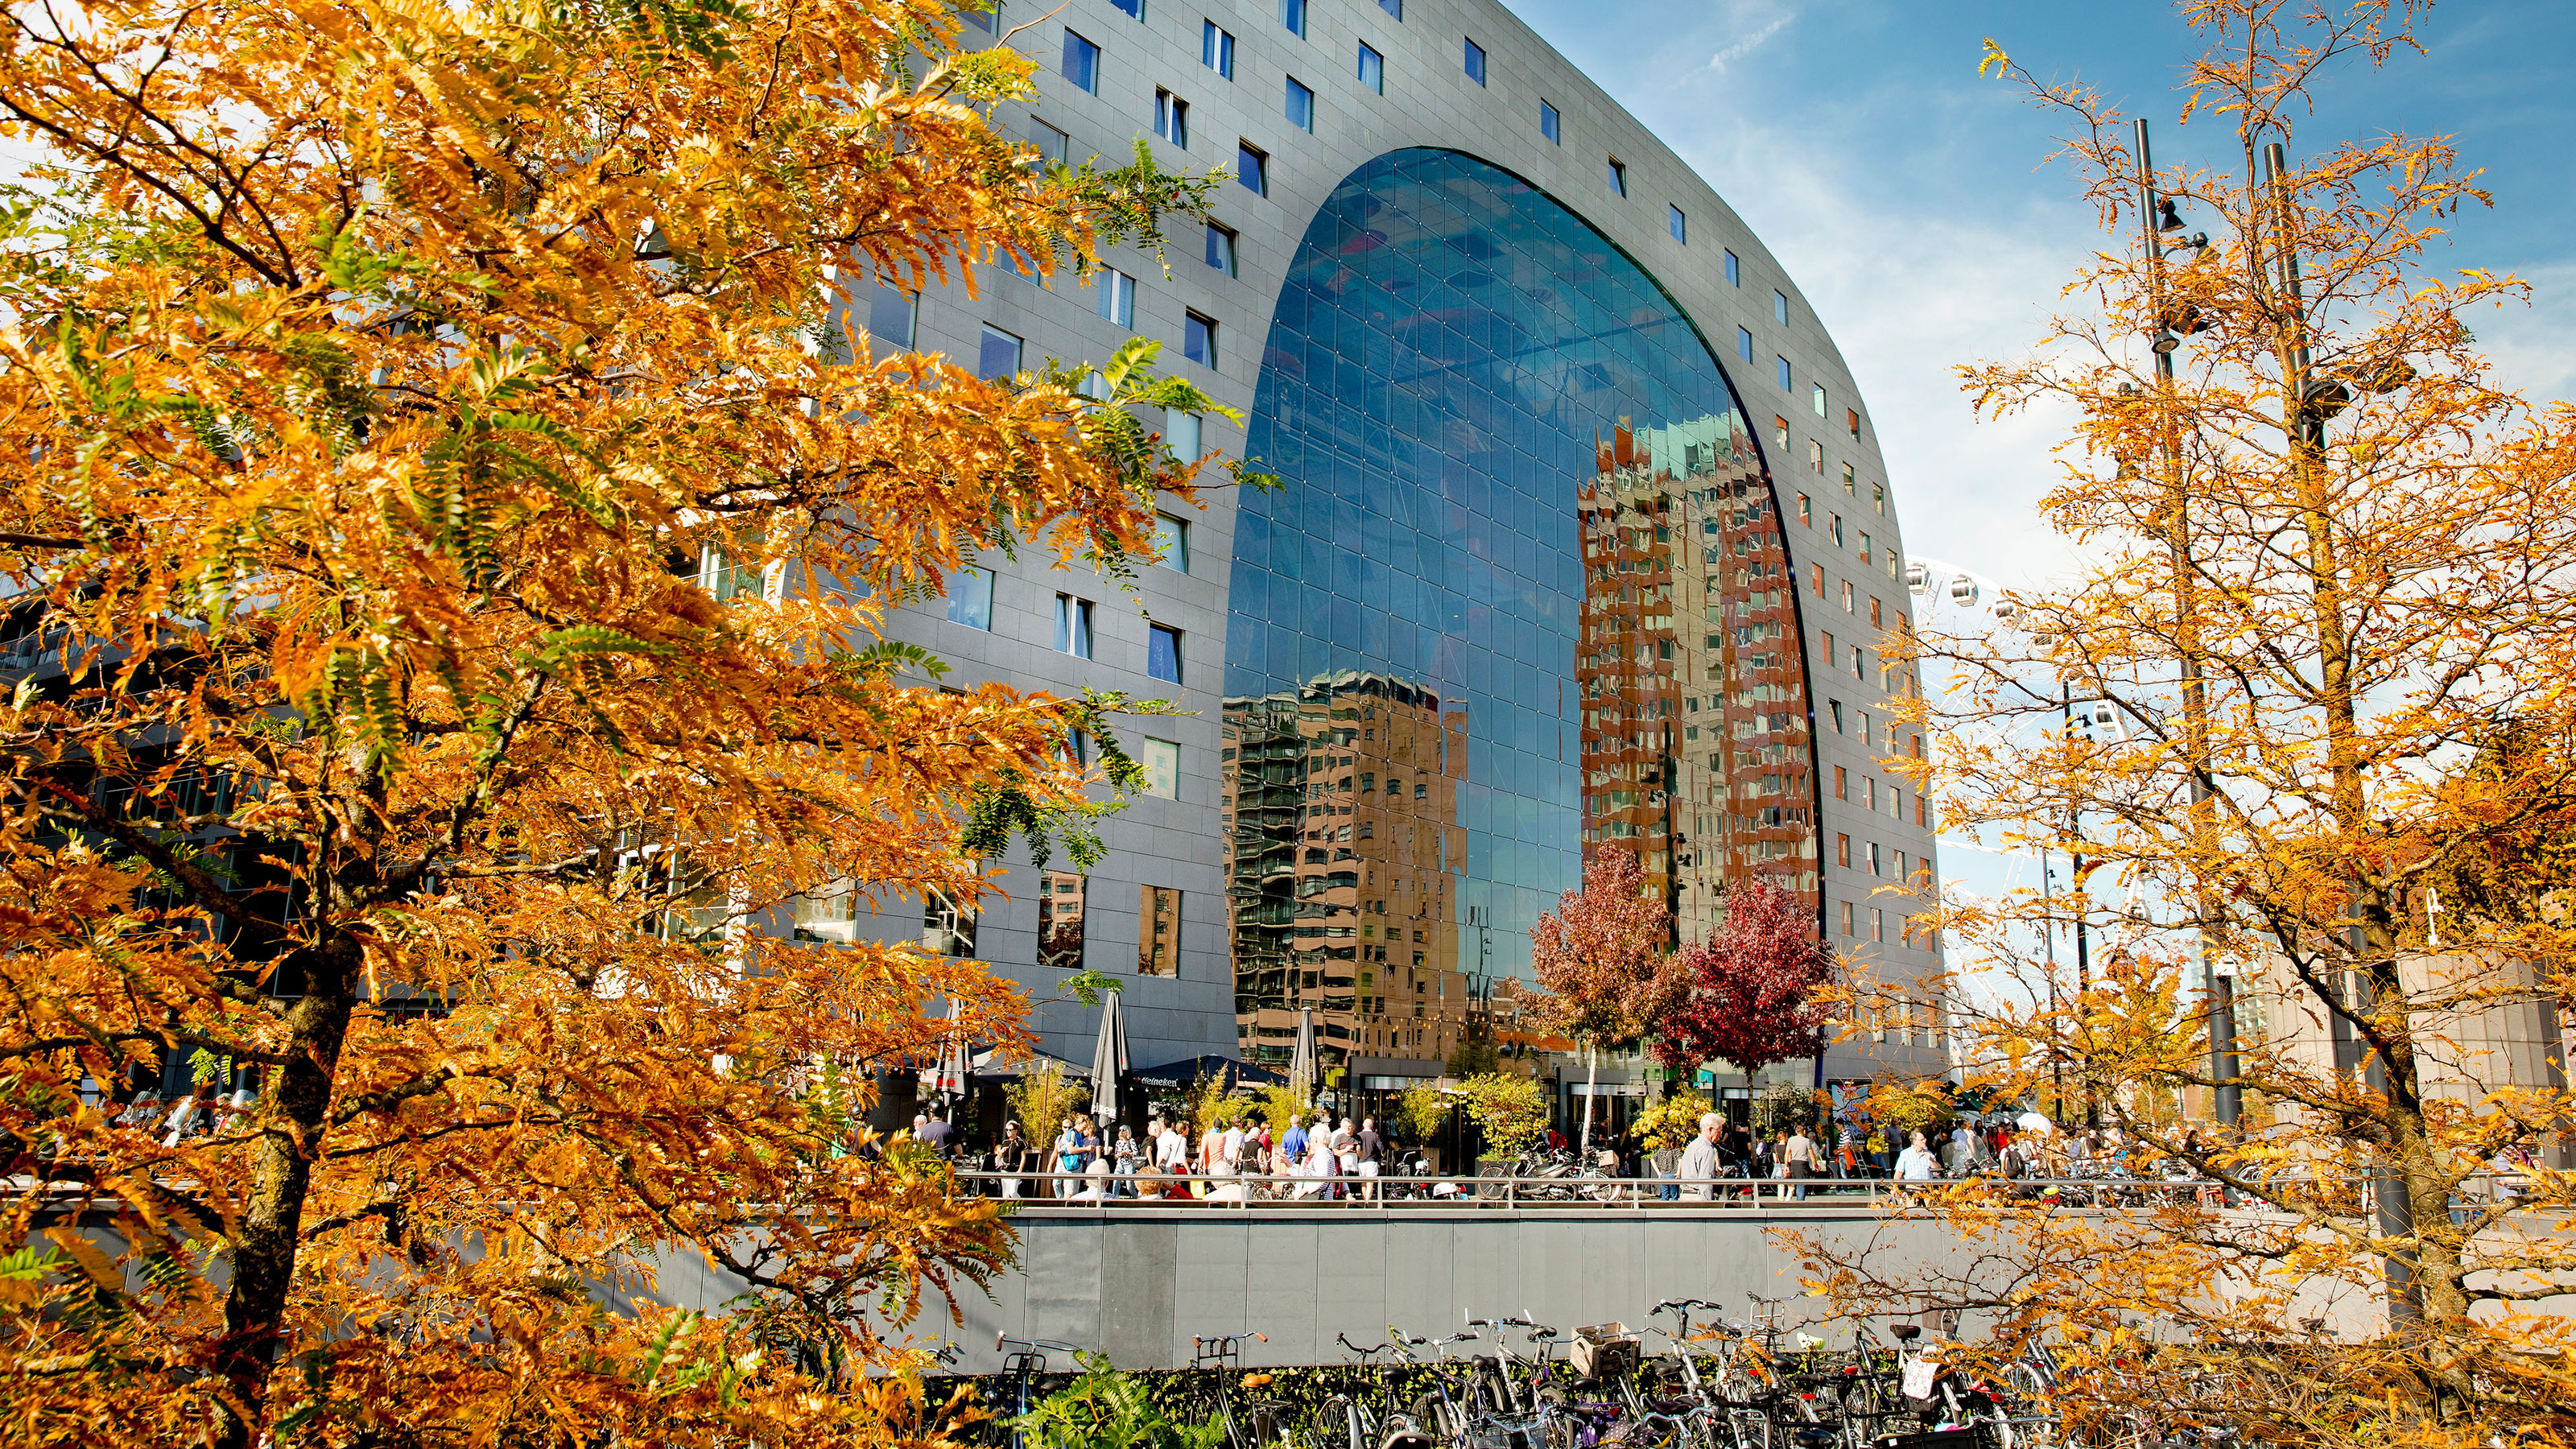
(1698, 1171)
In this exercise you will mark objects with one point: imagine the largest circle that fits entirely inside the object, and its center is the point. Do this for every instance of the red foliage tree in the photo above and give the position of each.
(1605, 959)
(1752, 996)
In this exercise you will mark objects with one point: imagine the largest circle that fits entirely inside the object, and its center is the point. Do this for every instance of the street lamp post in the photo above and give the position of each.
(2222, 1003)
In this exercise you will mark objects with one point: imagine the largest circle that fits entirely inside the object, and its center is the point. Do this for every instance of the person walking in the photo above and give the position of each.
(1011, 1157)
(1698, 1170)
(1346, 1150)
(1293, 1146)
(1122, 1162)
(1798, 1160)
(1916, 1163)
(1370, 1149)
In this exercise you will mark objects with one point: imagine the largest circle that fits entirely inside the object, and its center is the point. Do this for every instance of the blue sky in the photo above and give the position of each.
(1907, 195)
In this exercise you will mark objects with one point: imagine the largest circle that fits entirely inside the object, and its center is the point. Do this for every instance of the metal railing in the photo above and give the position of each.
(1753, 1196)
(1746, 1195)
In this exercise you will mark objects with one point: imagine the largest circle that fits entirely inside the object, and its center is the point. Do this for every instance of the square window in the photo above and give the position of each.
(1198, 339)
(1052, 144)
(1162, 762)
(1677, 223)
(1073, 626)
(1292, 17)
(1744, 343)
(1082, 62)
(1803, 515)
(999, 356)
(1547, 123)
(1372, 68)
(1847, 918)
(1475, 62)
(1114, 296)
(1220, 248)
(1172, 537)
(1864, 548)
(1780, 308)
(1878, 497)
(1818, 399)
(1216, 49)
(1301, 105)
(1172, 118)
(970, 598)
(1618, 176)
(1163, 654)
(1734, 271)
(1850, 488)
(1252, 168)
(1181, 434)
(1842, 848)
(1851, 419)
(1780, 434)
(1392, 7)
(1815, 457)
(1784, 374)
(891, 315)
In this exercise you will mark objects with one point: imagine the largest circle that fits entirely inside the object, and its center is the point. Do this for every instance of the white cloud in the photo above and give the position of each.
(1748, 44)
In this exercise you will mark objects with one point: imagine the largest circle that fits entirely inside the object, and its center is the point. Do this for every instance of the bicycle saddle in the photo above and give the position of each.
(1906, 1332)
(1254, 1381)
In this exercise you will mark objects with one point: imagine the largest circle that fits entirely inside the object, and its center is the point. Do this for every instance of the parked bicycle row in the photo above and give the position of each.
(1688, 1378)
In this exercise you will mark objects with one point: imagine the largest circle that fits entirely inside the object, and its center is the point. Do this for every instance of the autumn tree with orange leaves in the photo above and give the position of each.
(448, 525)
(1604, 956)
(2329, 579)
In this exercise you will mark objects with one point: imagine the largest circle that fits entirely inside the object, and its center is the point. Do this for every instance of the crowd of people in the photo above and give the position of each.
(1312, 1157)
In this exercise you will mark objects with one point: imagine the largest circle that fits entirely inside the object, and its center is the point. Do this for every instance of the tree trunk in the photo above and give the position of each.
(1591, 1087)
(263, 1256)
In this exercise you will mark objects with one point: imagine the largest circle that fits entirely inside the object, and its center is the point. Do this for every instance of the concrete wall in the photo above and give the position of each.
(1137, 1282)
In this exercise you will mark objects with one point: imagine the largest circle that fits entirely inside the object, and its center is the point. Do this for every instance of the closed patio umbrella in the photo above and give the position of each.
(1108, 1059)
(1301, 1067)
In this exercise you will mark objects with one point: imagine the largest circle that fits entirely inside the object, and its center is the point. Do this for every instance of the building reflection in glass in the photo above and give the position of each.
(1340, 808)
(1696, 752)
(1523, 520)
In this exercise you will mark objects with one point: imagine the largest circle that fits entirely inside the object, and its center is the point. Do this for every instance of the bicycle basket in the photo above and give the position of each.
(1602, 1351)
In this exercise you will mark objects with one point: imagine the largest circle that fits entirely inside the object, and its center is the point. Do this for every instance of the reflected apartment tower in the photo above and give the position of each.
(1696, 748)
(1340, 804)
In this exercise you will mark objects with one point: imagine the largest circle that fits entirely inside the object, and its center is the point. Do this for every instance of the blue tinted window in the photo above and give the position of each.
(1081, 62)
(1734, 271)
(1547, 122)
(1301, 105)
(1679, 224)
(999, 355)
(1198, 340)
(1784, 374)
(1163, 654)
(1252, 168)
(1292, 15)
(1132, 7)
(1475, 62)
(1216, 49)
(1744, 343)
(1372, 68)
(1392, 7)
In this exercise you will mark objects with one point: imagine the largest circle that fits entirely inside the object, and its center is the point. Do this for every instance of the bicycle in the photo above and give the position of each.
(1356, 1417)
(1260, 1423)
(1024, 1359)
